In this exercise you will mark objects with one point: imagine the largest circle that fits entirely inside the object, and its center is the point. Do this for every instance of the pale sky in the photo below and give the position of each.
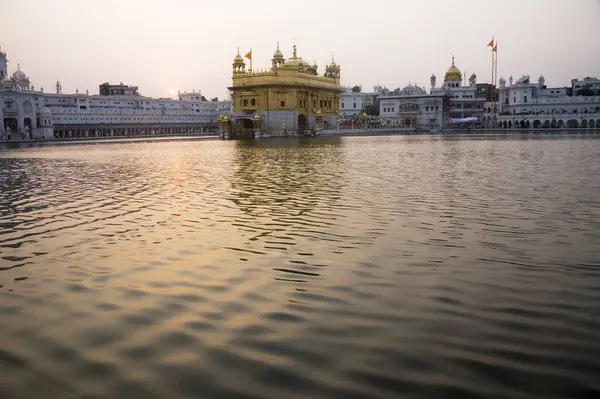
(190, 44)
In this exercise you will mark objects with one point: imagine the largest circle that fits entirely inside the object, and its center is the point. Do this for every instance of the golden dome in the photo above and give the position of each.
(238, 58)
(278, 55)
(453, 73)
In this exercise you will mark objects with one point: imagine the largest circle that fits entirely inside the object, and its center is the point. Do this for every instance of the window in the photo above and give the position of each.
(8, 104)
(525, 99)
(282, 103)
(514, 99)
(343, 105)
(253, 102)
(354, 105)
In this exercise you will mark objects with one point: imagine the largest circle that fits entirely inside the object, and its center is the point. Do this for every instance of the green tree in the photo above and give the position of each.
(371, 110)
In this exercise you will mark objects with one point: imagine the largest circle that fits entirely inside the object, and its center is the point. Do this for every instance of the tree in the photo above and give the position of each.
(586, 92)
(371, 110)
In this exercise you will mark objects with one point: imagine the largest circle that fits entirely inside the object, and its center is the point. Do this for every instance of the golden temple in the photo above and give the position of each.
(290, 97)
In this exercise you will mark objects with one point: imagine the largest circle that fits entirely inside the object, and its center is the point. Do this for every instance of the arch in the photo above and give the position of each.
(584, 123)
(553, 124)
(522, 123)
(561, 124)
(11, 124)
(509, 124)
(572, 124)
(528, 124)
(302, 122)
(504, 124)
(536, 124)
(597, 123)
(592, 124)
(546, 124)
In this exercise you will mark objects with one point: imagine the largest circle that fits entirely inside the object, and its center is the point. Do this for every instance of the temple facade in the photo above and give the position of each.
(291, 97)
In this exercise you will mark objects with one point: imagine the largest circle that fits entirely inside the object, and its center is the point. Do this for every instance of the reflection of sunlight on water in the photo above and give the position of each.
(170, 269)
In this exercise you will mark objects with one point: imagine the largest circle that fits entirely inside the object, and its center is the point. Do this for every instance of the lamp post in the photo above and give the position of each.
(319, 119)
(363, 116)
(257, 125)
(223, 121)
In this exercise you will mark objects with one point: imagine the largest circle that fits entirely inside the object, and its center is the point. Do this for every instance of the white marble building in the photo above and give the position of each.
(526, 104)
(413, 107)
(27, 113)
(464, 100)
(352, 103)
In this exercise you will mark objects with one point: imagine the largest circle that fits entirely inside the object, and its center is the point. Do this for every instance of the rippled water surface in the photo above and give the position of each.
(374, 267)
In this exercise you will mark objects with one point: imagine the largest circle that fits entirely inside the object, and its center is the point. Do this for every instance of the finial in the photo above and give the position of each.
(277, 45)
(238, 50)
(295, 51)
(18, 67)
(452, 59)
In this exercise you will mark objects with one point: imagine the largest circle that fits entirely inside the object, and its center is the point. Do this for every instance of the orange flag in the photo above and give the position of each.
(491, 43)
(249, 55)
(495, 48)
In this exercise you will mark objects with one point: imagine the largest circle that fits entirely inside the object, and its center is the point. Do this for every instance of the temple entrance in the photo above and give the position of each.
(302, 122)
(11, 127)
(242, 129)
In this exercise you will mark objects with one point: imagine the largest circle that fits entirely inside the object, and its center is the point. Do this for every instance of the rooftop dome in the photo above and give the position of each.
(333, 65)
(238, 58)
(294, 60)
(45, 112)
(18, 74)
(412, 90)
(278, 55)
(453, 73)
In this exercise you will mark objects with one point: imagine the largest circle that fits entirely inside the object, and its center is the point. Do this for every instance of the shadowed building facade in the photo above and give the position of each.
(290, 97)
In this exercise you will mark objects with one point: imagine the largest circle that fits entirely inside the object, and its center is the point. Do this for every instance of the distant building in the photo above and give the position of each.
(526, 104)
(352, 103)
(106, 89)
(119, 110)
(413, 107)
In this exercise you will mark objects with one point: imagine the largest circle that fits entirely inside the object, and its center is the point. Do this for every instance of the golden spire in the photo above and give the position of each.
(295, 52)
(452, 59)
(277, 45)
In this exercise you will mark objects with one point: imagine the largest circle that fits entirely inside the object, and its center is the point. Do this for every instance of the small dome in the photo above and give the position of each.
(299, 61)
(278, 55)
(45, 112)
(238, 58)
(473, 75)
(412, 90)
(453, 73)
(333, 65)
(19, 75)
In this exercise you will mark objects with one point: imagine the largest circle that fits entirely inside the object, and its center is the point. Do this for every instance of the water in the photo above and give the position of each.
(373, 267)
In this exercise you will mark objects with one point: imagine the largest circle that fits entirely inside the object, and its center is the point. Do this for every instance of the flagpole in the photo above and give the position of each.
(493, 42)
(495, 54)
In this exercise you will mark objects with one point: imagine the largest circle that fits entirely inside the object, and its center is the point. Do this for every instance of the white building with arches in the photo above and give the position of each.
(526, 104)
(27, 113)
